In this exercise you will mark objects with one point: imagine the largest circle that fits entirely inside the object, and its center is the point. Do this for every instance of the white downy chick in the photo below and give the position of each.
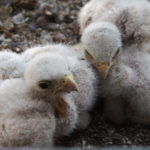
(27, 111)
(50, 75)
(124, 78)
(132, 18)
(84, 75)
(12, 65)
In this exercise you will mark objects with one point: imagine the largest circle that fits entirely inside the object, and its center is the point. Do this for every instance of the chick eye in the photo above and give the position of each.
(88, 55)
(116, 54)
(44, 84)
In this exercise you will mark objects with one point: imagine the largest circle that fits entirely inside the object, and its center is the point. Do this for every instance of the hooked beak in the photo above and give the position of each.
(103, 69)
(69, 83)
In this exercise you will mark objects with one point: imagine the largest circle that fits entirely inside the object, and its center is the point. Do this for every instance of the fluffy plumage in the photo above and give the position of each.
(131, 86)
(125, 83)
(87, 82)
(124, 79)
(84, 75)
(25, 119)
(12, 65)
(28, 111)
(131, 18)
(62, 49)
(137, 85)
(86, 79)
(102, 43)
(50, 75)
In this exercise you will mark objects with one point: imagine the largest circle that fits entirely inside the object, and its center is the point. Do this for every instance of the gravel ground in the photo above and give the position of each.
(24, 23)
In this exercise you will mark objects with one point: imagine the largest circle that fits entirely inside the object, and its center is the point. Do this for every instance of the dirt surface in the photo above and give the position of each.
(24, 23)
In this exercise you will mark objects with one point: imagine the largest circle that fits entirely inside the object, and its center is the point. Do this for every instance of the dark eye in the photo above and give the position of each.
(44, 84)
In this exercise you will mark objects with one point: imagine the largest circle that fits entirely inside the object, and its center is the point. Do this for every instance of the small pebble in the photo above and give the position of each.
(59, 37)
(19, 19)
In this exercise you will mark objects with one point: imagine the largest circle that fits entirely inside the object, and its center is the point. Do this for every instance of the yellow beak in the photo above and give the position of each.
(103, 69)
(69, 83)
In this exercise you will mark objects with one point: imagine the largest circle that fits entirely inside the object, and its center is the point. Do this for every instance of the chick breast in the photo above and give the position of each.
(24, 121)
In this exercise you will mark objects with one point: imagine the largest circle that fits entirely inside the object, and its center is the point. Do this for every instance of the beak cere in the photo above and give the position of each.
(103, 69)
(69, 84)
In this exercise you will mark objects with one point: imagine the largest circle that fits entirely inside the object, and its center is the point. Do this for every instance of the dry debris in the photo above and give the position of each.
(29, 22)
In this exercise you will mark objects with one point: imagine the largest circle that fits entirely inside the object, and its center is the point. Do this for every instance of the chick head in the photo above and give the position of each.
(50, 73)
(102, 45)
